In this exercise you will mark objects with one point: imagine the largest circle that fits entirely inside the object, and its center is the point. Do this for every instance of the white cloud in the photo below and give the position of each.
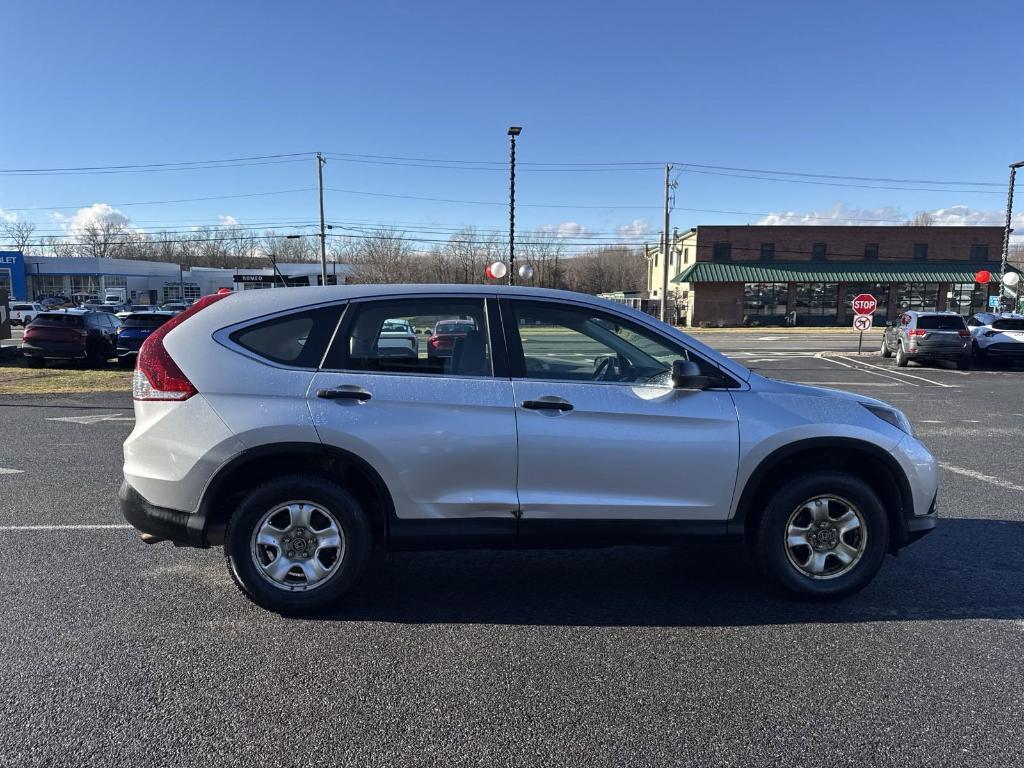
(564, 230)
(226, 220)
(842, 215)
(6, 217)
(635, 228)
(96, 214)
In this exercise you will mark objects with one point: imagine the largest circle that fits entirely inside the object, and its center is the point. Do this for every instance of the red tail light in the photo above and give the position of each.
(964, 333)
(434, 342)
(917, 332)
(157, 376)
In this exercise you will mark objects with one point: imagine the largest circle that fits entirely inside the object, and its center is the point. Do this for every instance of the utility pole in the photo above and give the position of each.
(1008, 230)
(666, 245)
(323, 234)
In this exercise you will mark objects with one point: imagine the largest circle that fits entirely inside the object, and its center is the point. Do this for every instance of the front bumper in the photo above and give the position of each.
(183, 528)
(1003, 349)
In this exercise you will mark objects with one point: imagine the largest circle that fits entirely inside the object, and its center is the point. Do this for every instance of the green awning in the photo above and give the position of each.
(833, 272)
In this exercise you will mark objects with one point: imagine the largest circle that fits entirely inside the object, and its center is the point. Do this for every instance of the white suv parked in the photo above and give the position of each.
(276, 424)
(24, 313)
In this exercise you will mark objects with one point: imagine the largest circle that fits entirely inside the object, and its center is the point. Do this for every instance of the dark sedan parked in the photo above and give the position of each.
(135, 330)
(70, 334)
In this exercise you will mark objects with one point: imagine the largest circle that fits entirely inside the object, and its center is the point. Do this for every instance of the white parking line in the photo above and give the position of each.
(6, 471)
(63, 527)
(983, 477)
(822, 356)
(888, 371)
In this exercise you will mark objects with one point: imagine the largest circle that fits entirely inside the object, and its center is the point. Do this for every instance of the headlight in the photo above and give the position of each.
(891, 415)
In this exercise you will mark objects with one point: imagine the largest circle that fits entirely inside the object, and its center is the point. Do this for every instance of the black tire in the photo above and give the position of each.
(772, 552)
(35, 362)
(351, 518)
(977, 352)
(95, 355)
(885, 351)
(964, 363)
(901, 356)
(126, 362)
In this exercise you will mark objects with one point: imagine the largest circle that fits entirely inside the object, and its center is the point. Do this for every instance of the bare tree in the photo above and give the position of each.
(384, 257)
(921, 219)
(20, 234)
(103, 239)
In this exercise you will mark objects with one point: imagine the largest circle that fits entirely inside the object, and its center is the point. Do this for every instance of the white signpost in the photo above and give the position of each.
(864, 306)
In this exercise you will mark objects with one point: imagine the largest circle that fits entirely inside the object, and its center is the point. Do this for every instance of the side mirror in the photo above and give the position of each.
(686, 375)
(890, 324)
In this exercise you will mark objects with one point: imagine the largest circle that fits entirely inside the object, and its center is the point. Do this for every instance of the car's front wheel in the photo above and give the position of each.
(885, 351)
(297, 544)
(823, 535)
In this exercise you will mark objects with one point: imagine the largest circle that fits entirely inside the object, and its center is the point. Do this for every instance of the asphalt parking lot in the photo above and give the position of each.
(119, 653)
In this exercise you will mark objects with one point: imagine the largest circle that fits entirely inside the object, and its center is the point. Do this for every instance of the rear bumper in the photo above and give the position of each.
(936, 353)
(54, 351)
(180, 527)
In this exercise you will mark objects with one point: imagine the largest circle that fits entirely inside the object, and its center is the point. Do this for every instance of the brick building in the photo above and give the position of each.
(731, 275)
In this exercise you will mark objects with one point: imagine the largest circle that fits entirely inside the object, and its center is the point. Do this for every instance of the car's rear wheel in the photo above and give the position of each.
(297, 544)
(977, 352)
(885, 351)
(823, 536)
(964, 363)
(901, 357)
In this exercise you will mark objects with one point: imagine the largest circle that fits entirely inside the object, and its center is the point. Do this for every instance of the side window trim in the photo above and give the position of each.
(499, 356)
(517, 358)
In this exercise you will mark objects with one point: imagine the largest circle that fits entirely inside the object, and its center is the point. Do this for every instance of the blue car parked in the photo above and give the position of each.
(134, 330)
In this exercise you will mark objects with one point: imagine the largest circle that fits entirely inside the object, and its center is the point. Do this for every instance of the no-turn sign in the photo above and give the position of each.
(862, 323)
(864, 304)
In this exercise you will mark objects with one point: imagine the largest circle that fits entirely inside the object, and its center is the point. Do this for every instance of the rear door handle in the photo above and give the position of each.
(548, 405)
(345, 392)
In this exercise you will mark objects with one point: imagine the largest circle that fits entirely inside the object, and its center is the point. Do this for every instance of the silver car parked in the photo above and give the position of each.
(928, 336)
(274, 424)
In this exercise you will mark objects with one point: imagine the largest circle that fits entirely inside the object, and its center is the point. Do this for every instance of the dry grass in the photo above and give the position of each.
(18, 380)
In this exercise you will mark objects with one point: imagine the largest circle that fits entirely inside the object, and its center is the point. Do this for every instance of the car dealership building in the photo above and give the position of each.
(143, 282)
(771, 275)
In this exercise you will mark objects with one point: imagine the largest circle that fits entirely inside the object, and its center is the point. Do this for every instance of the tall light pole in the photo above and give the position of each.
(1009, 228)
(667, 245)
(323, 235)
(513, 131)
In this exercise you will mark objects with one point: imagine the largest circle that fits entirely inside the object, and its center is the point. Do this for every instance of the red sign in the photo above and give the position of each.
(864, 304)
(982, 276)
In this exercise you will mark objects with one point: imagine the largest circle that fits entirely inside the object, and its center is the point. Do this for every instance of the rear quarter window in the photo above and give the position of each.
(298, 339)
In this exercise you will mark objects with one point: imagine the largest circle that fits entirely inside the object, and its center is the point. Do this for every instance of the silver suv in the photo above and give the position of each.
(928, 336)
(278, 425)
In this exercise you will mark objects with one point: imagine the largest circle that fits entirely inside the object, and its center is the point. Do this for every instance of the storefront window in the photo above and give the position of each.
(85, 287)
(765, 299)
(817, 299)
(966, 298)
(879, 290)
(44, 286)
(920, 296)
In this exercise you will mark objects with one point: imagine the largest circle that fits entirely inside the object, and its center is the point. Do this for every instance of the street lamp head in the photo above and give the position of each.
(514, 130)
(1019, 164)
(292, 237)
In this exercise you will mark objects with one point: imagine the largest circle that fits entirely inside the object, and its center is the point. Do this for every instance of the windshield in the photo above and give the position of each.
(395, 326)
(145, 320)
(455, 326)
(940, 323)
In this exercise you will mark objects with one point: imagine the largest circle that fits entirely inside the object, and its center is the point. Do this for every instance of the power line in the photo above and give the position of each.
(165, 202)
(840, 184)
(152, 165)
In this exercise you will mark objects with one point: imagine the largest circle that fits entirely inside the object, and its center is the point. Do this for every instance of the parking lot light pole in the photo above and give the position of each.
(1009, 228)
(513, 131)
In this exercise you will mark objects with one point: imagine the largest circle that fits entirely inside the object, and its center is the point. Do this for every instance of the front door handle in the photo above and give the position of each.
(548, 405)
(345, 392)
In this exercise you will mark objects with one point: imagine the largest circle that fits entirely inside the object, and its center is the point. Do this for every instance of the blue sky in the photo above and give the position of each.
(896, 90)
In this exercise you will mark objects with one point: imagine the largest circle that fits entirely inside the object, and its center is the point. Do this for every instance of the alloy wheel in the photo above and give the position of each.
(298, 545)
(826, 536)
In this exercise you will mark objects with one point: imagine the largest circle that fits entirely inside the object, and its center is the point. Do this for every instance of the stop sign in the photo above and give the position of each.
(864, 304)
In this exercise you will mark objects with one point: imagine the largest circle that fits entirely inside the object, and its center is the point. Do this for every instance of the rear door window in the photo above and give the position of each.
(458, 345)
(298, 339)
(940, 323)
